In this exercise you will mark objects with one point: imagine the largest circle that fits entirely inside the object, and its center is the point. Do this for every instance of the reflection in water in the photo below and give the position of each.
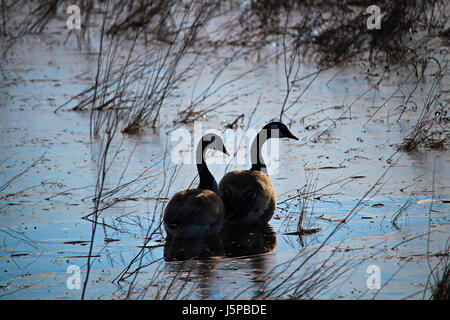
(201, 267)
(197, 263)
(180, 249)
(233, 241)
(248, 241)
(251, 242)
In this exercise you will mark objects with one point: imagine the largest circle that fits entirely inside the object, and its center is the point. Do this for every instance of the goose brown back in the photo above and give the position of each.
(249, 197)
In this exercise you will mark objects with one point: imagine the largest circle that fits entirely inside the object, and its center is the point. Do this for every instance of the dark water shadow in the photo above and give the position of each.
(182, 249)
(248, 241)
(231, 242)
(200, 259)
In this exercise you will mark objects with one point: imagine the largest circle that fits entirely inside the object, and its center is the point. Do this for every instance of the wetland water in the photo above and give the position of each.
(49, 169)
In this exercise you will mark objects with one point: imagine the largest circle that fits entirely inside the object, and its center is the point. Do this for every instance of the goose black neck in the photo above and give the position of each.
(258, 163)
(207, 180)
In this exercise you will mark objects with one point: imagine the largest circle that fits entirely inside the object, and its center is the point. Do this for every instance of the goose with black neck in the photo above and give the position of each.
(200, 212)
(248, 195)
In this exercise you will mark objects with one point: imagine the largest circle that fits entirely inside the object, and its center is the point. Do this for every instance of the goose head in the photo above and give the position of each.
(214, 142)
(270, 130)
(279, 129)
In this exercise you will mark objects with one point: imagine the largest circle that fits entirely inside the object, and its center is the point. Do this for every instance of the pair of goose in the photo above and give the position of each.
(243, 197)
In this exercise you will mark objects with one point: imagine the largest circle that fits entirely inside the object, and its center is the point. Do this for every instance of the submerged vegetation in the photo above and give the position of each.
(147, 50)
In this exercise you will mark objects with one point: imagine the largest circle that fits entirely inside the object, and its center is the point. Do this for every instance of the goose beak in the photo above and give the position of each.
(291, 136)
(225, 151)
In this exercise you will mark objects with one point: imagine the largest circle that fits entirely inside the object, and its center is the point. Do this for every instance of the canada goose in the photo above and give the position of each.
(248, 195)
(194, 213)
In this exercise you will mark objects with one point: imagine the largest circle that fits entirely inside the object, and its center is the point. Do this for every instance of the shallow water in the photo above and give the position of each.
(43, 232)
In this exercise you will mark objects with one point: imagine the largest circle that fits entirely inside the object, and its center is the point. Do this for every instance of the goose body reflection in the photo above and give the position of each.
(178, 249)
(241, 241)
(232, 241)
(248, 195)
